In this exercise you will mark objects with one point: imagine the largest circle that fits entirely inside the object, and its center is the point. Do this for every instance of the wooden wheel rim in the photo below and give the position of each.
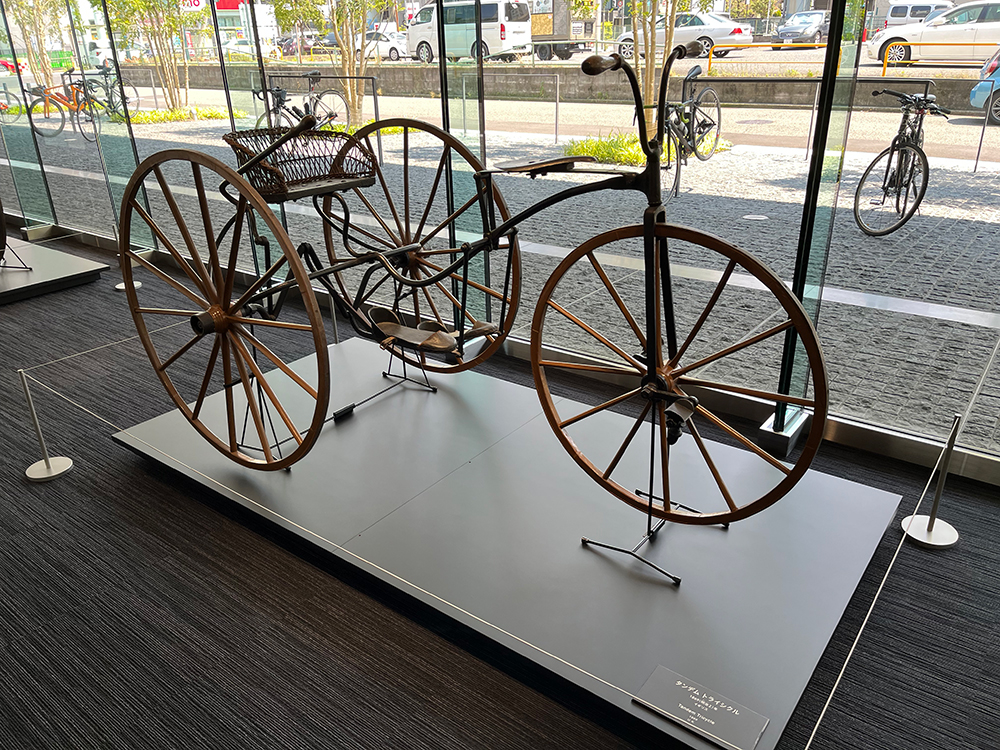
(130, 206)
(513, 297)
(800, 322)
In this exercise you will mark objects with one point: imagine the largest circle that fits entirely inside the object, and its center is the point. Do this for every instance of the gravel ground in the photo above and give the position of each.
(893, 362)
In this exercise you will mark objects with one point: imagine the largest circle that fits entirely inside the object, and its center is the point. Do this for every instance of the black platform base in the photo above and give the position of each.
(464, 500)
(50, 271)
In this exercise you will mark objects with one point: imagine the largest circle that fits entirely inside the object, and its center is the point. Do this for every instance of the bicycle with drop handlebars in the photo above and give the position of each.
(328, 107)
(424, 258)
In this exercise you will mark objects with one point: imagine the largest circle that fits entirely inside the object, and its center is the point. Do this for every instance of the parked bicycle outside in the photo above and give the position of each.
(328, 107)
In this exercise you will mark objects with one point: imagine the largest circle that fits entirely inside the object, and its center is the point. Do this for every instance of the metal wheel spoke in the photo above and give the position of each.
(256, 286)
(208, 376)
(458, 277)
(162, 311)
(179, 353)
(711, 466)
(374, 287)
(766, 395)
(370, 235)
(432, 193)
(745, 441)
(234, 250)
(599, 408)
(258, 421)
(378, 217)
(185, 233)
(639, 367)
(206, 217)
(586, 367)
(628, 440)
(629, 318)
(179, 259)
(262, 382)
(274, 358)
(734, 348)
(131, 255)
(227, 375)
(704, 314)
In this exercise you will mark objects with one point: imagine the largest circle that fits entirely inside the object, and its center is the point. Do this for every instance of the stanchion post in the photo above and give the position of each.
(49, 467)
(930, 531)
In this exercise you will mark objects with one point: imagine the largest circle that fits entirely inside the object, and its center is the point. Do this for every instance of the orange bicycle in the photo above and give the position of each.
(47, 112)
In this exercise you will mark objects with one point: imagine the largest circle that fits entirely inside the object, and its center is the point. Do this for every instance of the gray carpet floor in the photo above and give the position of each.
(137, 611)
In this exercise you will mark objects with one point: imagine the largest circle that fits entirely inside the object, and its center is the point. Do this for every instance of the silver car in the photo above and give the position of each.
(707, 28)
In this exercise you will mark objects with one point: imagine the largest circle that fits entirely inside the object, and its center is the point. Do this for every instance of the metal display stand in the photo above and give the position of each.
(930, 531)
(50, 467)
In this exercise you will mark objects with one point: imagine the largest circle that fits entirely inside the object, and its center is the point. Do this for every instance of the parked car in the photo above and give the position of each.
(969, 32)
(902, 12)
(986, 93)
(707, 28)
(246, 47)
(808, 27)
(390, 46)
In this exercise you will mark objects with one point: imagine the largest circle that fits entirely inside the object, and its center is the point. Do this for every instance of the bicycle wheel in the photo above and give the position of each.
(890, 190)
(670, 168)
(721, 321)
(203, 334)
(47, 117)
(409, 206)
(707, 117)
(331, 111)
(123, 98)
(88, 120)
(11, 107)
(280, 120)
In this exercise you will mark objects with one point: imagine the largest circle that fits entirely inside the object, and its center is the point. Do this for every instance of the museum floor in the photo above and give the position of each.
(137, 611)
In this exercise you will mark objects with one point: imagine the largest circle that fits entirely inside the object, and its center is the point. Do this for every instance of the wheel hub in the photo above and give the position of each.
(212, 320)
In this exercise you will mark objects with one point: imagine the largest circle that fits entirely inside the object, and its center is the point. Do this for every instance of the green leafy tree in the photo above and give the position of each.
(160, 21)
(583, 10)
(350, 19)
(294, 16)
(38, 21)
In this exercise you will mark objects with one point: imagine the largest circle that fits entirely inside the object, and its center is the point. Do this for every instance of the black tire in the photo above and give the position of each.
(776, 49)
(818, 38)
(88, 120)
(331, 110)
(896, 54)
(707, 123)
(883, 202)
(280, 120)
(564, 54)
(424, 53)
(706, 46)
(122, 97)
(47, 124)
(11, 107)
(993, 109)
(627, 49)
(670, 168)
(543, 52)
(475, 50)
(721, 53)
(393, 54)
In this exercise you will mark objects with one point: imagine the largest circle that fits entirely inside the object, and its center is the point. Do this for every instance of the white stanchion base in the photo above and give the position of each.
(39, 472)
(121, 286)
(943, 534)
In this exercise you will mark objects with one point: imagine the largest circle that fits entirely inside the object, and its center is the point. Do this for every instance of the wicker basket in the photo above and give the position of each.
(314, 157)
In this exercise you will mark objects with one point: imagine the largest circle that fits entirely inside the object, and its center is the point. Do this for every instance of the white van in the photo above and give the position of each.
(908, 11)
(506, 29)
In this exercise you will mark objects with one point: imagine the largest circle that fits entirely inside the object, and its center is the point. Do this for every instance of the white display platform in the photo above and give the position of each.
(51, 270)
(465, 501)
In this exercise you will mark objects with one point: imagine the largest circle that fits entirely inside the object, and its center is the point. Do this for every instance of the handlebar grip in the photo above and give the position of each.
(597, 64)
(943, 110)
(306, 123)
(897, 94)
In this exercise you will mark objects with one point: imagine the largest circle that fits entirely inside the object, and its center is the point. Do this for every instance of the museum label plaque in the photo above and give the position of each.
(695, 707)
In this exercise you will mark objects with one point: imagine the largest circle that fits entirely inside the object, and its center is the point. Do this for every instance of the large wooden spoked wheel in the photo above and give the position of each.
(731, 315)
(409, 205)
(202, 332)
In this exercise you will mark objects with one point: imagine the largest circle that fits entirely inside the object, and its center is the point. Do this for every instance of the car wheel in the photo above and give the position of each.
(776, 49)
(721, 53)
(626, 49)
(818, 39)
(993, 109)
(706, 45)
(393, 54)
(424, 53)
(895, 54)
(564, 55)
(543, 52)
(475, 50)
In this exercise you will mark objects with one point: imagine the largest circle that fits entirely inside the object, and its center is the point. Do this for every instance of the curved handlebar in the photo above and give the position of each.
(597, 64)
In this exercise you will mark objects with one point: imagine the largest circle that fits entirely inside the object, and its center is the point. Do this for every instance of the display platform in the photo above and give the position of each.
(465, 501)
(51, 270)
